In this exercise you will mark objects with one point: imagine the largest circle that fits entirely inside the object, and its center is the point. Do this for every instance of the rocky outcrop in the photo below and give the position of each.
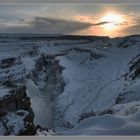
(44, 131)
(92, 54)
(11, 69)
(16, 116)
(94, 114)
(134, 68)
(128, 41)
(9, 62)
(48, 72)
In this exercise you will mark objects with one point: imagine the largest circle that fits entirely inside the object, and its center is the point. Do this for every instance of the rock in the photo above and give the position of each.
(134, 68)
(7, 63)
(17, 103)
(48, 70)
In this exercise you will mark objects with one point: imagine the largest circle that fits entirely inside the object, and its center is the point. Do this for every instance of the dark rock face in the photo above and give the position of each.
(9, 62)
(128, 41)
(92, 54)
(93, 114)
(134, 68)
(12, 69)
(121, 97)
(18, 103)
(47, 69)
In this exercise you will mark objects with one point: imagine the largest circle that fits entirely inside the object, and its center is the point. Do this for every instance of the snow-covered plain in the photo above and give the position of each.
(107, 125)
(100, 97)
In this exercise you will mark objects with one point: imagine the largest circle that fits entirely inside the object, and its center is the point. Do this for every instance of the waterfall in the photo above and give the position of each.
(42, 109)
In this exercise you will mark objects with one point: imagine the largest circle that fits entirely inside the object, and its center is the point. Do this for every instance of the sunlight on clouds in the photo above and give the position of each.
(111, 23)
(85, 18)
(114, 20)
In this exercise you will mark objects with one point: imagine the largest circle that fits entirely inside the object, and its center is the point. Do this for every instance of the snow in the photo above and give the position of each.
(14, 122)
(84, 88)
(107, 125)
(127, 108)
(2, 129)
(29, 63)
(45, 133)
(91, 84)
(3, 92)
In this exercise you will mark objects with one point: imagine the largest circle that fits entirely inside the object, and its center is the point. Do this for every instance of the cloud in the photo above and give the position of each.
(133, 29)
(132, 26)
(57, 25)
(101, 23)
(46, 25)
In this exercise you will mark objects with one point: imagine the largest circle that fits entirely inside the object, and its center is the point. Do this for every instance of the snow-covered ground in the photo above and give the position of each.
(88, 80)
(14, 122)
(107, 125)
(99, 97)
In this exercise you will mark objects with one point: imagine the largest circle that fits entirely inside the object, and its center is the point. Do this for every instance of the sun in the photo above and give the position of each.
(113, 21)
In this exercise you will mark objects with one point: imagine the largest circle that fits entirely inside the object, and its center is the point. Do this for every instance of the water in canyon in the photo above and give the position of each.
(42, 108)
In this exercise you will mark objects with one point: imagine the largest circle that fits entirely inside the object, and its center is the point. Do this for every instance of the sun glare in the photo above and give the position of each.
(113, 21)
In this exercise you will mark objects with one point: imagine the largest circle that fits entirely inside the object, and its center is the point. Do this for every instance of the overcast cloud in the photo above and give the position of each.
(46, 25)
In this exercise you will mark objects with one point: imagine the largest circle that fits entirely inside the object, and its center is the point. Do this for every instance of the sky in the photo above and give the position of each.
(78, 19)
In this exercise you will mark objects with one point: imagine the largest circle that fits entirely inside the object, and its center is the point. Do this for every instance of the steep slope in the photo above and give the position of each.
(95, 84)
